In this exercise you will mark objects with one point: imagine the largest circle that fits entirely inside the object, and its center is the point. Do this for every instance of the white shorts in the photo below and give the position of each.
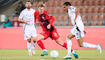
(78, 34)
(29, 31)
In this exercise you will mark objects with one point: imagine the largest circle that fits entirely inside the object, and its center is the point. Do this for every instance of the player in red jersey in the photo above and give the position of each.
(46, 22)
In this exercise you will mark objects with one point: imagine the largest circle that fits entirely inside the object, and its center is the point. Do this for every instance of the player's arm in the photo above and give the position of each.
(36, 18)
(20, 19)
(76, 14)
(52, 20)
(23, 21)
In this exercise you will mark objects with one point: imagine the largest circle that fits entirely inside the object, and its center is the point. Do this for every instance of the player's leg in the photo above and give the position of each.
(27, 37)
(89, 45)
(33, 45)
(56, 37)
(33, 34)
(69, 45)
(40, 43)
(29, 46)
(60, 42)
(69, 42)
(79, 36)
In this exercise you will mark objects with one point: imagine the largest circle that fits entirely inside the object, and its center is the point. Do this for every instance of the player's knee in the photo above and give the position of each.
(29, 40)
(69, 37)
(37, 39)
(34, 41)
(80, 45)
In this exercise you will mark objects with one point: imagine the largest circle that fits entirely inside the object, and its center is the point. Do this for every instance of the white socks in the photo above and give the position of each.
(69, 44)
(29, 46)
(88, 45)
(84, 44)
(44, 50)
(33, 46)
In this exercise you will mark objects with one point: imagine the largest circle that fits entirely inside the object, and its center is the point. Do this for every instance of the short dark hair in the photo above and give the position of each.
(20, 2)
(67, 3)
(29, 1)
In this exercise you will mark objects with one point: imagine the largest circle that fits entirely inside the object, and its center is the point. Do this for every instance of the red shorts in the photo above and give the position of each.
(53, 35)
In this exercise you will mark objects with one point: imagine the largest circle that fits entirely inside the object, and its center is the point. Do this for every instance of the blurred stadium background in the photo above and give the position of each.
(92, 13)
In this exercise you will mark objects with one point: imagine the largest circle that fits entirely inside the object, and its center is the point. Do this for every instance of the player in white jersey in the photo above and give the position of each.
(77, 30)
(27, 17)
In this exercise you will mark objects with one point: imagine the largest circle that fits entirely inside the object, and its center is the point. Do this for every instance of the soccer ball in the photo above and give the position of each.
(54, 54)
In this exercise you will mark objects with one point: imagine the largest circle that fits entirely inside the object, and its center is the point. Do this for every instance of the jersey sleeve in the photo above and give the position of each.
(35, 16)
(51, 18)
(21, 15)
(45, 12)
(72, 9)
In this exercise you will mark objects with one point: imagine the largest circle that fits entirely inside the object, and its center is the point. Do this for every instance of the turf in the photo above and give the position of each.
(18, 54)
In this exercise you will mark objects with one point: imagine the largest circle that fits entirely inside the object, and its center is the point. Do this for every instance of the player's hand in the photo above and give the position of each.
(84, 31)
(27, 22)
(74, 23)
(48, 26)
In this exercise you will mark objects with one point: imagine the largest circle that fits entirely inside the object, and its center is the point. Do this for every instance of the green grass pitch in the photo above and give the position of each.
(19, 54)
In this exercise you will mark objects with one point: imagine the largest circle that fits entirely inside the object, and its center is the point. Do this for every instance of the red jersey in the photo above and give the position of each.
(44, 20)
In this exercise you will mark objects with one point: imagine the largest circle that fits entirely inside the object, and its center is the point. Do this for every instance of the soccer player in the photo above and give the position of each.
(46, 22)
(27, 17)
(77, 30)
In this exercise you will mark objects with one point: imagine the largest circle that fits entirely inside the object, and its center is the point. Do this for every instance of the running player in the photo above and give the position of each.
(27, 17)
(46, 22)
(77, 30)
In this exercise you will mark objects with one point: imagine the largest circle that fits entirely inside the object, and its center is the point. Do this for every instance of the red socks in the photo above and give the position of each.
(41, 45)
(71, 50)
(65, 46)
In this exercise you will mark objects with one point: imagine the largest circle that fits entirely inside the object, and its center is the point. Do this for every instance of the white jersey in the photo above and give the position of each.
(29, 29)
(71, 13)
(78, 33)
(28, 15)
